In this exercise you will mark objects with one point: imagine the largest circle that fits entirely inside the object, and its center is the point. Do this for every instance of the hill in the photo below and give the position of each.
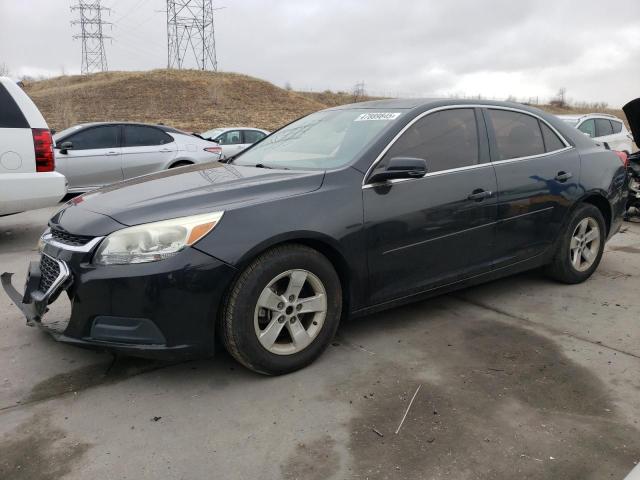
(187, 99)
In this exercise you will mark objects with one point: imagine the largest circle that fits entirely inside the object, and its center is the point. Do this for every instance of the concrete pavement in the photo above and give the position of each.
(520, 378)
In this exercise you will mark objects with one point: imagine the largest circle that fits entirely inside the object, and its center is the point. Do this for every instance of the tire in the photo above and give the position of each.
(563, 266)
(182, 163)
(248, 328)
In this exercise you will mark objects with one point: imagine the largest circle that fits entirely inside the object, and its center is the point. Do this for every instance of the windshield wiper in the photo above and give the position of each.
(262, 165)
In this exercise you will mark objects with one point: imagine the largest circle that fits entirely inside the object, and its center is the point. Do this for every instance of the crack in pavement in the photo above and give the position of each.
(87, 377)
(553, 330)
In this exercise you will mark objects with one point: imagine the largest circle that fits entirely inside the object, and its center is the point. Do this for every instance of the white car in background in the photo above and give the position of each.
(28, 178)
(234, 140)
(603, 128)
(93, 155)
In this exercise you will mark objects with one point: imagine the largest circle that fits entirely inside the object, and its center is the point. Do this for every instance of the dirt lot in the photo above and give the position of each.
(521, 378)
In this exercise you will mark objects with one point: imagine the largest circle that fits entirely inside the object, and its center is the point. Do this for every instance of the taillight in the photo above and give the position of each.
(217, 150)
(43, 146)
(624, 158)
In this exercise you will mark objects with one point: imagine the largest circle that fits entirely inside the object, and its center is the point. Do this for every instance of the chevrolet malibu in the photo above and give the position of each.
(342, 213)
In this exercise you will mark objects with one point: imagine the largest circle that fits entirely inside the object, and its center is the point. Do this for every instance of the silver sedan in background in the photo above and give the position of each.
(92, 155)
(234, 140)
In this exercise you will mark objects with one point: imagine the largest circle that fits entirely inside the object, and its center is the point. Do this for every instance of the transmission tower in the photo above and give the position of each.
(190, 34)
(94, 57)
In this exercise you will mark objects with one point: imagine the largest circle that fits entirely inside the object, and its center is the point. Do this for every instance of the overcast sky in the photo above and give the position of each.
(406, 48)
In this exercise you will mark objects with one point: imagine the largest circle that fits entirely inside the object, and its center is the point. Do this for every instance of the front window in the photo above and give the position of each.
(588, 127)
(322, 140)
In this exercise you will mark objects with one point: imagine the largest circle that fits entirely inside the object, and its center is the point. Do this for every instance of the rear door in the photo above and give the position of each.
(538, 175)
(422, 233)
(252, 136)
(146, 149)
(95, 158)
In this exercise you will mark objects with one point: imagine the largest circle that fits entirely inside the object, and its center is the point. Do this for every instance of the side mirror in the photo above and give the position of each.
(65, 147)
(401, 167)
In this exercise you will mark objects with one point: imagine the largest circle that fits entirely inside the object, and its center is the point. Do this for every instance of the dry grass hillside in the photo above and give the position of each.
(187, 99)
(190, 100)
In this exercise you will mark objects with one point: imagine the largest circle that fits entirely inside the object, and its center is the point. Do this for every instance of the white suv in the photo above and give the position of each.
(28, 178)
(604, 128)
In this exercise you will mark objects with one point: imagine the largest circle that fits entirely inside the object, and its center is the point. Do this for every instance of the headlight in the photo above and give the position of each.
(154, 241)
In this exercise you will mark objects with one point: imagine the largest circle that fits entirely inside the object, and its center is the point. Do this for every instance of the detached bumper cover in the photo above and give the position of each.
(163, 309)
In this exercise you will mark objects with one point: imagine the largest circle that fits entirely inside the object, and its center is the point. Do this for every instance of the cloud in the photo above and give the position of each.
(494, 48)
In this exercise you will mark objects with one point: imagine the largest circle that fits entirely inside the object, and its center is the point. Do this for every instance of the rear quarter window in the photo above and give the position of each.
(551, 141)
(617, 126)
(10, 114)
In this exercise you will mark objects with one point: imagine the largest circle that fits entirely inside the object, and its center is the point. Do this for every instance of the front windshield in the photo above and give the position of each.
(571, 121)
(67, 131)
(212, 133)
(322, 140)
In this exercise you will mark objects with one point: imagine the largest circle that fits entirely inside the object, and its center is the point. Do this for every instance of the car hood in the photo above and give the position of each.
(632, 111)
(192, 190)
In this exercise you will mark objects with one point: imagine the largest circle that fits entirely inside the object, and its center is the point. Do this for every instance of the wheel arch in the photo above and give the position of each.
(185, 161)
(599, 200)
(324, 244)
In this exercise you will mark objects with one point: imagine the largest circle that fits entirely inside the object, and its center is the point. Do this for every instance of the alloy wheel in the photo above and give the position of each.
(585, 244)
(290, 312)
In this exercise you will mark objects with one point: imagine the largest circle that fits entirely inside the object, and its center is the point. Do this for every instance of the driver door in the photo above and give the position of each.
(427, 232)
(94, 160)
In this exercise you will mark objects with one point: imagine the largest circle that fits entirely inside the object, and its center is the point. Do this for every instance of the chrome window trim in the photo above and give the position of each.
(60, 279)
(432, 174)
(87, 247)
(455, 107)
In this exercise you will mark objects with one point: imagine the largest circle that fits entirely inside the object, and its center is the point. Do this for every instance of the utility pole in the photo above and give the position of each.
(191, 33)
(94, 57)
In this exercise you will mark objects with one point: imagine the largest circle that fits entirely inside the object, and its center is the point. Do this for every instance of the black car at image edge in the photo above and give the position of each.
(344, 212)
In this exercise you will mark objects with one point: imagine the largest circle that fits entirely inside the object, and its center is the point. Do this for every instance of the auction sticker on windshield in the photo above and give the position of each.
(377, 116)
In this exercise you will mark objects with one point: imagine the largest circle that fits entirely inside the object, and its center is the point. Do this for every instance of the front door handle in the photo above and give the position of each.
(479, 195)
(111, 153)
(563, 176)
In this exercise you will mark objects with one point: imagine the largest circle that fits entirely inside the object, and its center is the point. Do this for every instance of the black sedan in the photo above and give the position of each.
(341, 213)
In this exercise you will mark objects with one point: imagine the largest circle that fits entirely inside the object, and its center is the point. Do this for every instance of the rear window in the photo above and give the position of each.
(517, 134)
(10, 114)
(141, 136)
(252, 136)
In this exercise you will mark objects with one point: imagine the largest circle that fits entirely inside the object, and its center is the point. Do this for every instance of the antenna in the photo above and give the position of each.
(94, 58)
(191, 34)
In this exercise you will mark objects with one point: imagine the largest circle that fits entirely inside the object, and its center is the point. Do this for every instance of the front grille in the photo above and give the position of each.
(69, 238)
(49, 272)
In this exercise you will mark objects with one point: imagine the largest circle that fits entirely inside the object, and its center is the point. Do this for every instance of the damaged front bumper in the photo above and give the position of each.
(35, 300)
(164, 309)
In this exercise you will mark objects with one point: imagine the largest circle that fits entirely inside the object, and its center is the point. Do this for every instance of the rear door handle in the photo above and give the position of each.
(479, 195)
(111, 153)
(563, 176)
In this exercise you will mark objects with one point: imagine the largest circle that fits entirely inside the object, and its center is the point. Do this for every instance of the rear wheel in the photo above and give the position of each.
(581, 246)
(283, 310)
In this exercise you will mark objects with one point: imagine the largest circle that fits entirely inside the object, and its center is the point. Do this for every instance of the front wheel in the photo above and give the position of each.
(283, 310)
(580, 247)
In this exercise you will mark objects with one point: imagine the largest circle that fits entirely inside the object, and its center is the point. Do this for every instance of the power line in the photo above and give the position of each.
(94, 57)
(191, 34)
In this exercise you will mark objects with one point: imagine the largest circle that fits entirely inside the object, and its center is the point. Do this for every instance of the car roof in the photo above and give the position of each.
(589, 115)
(427, 103)
(227, 129)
